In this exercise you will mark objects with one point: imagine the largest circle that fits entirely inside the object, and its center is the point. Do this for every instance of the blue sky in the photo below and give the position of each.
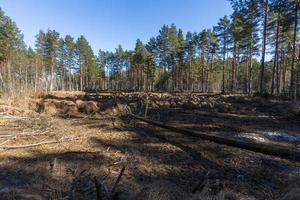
(107, 23)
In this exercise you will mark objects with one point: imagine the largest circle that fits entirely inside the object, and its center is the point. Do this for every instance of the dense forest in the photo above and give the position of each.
(255, 50)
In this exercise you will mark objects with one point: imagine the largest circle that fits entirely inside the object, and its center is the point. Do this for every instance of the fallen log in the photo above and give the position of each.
(278, 150)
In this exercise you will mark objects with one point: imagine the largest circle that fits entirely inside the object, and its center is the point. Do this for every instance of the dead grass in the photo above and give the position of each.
(159, 164)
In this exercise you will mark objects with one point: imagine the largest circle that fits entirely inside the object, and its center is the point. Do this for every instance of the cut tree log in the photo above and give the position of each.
(278, 150)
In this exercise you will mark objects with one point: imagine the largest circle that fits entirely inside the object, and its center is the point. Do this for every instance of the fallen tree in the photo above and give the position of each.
(278, 150)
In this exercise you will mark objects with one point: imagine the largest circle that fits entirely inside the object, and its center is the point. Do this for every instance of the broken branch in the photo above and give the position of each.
(38, 144)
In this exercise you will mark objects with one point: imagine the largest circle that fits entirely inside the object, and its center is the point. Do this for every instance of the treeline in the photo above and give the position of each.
(229, 58)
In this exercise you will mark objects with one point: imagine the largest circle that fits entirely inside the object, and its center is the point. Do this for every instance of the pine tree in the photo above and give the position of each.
(203, 47)
(190, 49)
(88, 72)
(263, 54)
(293, 89)
(70, 48)
(11, 41)
(237, 28)
(223, 33)
(179, 68)
(250, 12)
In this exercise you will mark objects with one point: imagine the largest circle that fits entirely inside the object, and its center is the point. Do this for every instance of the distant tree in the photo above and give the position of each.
(88, 72)
(223, 33)
(203, 47)
(11, 41)
(52, 43)
(70, 49)
(237, 28)
(101, 62)
(190, 49)
(293, 89)
(265, 6)
(179, 68)
(47, 46)
(169, 61)
(250, 40)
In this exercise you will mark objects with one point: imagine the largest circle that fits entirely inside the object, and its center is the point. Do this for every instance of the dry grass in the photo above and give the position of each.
(159, 164)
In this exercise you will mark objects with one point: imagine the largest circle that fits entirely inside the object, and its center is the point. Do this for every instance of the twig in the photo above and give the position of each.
(117, 182)
(37, 144)
(11, 117)
(11, 107)
(6, 141)
(6, 136)
(98, 189)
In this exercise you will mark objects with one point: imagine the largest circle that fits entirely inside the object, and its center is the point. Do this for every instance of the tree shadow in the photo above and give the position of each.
(41, 175)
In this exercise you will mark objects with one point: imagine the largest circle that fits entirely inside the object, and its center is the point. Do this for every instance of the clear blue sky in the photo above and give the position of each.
(107, 23)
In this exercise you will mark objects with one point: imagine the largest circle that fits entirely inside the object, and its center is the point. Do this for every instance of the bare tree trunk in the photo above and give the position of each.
(26, 78)
(285, 62)
(275, 59)
(36, 74)
(293, 89)
(202, 73)
(246, 78)
(223, 67)
(86, 79)
(190, 74)
(262, 67)
(51, 72)
(70, 77)
(9, 78)
(249, 78)
(237, 67)
(81, 75)
(280, 74)
(1, 79)
(233, 73)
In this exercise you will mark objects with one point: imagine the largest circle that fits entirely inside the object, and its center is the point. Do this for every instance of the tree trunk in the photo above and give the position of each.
(285, 62)
(202, 73)
(51, 72)
(36, 74)
(70, 75)
(237, 67)
(223, 67)
(250, 68)
(9, 77)
(189, 75)
(262, 67)
(275, 70)
(81, 75)
(293, 89)
(233, 73)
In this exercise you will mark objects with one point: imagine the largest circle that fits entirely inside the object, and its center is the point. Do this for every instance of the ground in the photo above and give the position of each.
(90, 136)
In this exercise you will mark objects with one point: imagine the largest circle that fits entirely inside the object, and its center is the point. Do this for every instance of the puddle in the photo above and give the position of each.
(286, 137)
(266, 116)
(271, 136)
(252, 136)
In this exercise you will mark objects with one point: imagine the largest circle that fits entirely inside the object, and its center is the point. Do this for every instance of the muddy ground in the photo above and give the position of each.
(96, 139)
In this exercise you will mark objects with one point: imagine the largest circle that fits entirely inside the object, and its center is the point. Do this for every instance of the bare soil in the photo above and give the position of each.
(96, 140)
